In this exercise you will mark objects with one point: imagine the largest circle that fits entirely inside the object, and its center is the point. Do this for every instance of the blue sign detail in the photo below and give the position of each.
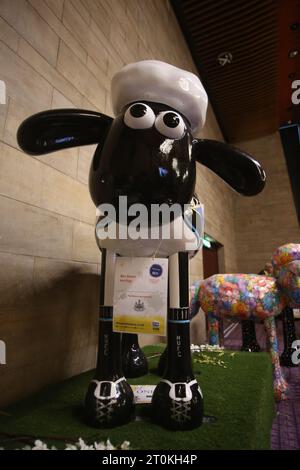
(156, 270)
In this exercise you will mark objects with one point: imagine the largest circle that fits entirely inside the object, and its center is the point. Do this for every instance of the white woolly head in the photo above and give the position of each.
(159, 82)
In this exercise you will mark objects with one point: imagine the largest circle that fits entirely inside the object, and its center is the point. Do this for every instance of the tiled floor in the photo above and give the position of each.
(286, 426)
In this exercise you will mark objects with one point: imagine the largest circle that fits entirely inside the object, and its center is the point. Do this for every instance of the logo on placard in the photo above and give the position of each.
(156, 270)
(139, 306)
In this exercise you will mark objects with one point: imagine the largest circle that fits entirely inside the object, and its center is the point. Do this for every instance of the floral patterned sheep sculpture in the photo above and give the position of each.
(254, 297)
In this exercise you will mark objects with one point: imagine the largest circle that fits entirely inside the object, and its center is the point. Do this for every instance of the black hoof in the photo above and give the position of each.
(178, 406)
(109, 404)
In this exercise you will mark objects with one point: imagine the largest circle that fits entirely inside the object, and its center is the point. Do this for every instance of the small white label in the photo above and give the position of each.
(140, 295)
(142, 393)
(2, 352)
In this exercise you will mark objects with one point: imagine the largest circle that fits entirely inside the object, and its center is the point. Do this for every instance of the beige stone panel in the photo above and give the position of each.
(98, 73)
(8, 35)
(16, 281)
(84, 243)
(118, 43)
(32, 27)
(22, 82)
(108, 105)
(99, 17)
(115, 63)
(17, 384)
(49, 73)
(17, 112)
(82, 10)
(77, 73)
(51, 365)
(27, 337)
(20, 176)
(72, 290)
(196, 267)
(86, 154)
(80, 360)
(73, 20)
(271, 221)
(66, 196)
(56, 6)
(59, 28)
(86, 104)
(3, 116)
(30, 230)
(64, 160)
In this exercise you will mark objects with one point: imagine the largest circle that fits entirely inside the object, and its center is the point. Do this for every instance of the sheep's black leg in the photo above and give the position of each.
(134, 361)
(249, 336)
(109, 399)
(177, 400)
(289, 336)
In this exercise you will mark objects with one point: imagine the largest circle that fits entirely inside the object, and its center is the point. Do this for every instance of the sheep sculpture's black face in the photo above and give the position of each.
(147, 157)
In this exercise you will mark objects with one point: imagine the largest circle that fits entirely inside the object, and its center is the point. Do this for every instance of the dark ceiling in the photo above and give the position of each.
(251, 92)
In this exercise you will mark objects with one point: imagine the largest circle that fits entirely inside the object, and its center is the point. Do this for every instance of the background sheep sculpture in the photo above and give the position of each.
(254, 297)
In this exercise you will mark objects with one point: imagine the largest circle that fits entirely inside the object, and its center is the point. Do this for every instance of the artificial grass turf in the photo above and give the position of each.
(237, 389)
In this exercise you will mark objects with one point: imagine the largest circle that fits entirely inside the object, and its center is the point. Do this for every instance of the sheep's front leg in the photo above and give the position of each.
(213, 329)
(109, 399)
(177, 401)
(280, 385)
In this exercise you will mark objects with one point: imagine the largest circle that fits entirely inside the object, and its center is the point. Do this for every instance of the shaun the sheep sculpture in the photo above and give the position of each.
(147, 153)
(254, 297)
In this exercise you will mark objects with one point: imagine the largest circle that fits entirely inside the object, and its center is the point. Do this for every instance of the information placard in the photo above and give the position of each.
(140, 295)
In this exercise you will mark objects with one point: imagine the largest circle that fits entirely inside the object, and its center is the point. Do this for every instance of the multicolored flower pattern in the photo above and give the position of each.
(289, 282)
(240, 296)
(285, 254)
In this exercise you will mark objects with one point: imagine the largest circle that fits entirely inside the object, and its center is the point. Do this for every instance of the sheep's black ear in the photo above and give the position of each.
(58, 129)
(235, 167)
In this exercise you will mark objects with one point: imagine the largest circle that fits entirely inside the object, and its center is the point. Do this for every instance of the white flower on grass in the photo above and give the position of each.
(83, 446)
(80, 445)
(125, 445)
(206, 347)
(39, 445)
(99, 446)
(70, 447)
(109, 445)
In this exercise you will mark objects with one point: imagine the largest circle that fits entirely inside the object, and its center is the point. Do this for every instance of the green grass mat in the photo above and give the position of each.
(237, 389)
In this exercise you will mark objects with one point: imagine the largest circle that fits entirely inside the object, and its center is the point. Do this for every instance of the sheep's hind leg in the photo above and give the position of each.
(280, 385)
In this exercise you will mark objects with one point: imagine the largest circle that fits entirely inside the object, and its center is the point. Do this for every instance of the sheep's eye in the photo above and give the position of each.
(170, 124)
(139, 116)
